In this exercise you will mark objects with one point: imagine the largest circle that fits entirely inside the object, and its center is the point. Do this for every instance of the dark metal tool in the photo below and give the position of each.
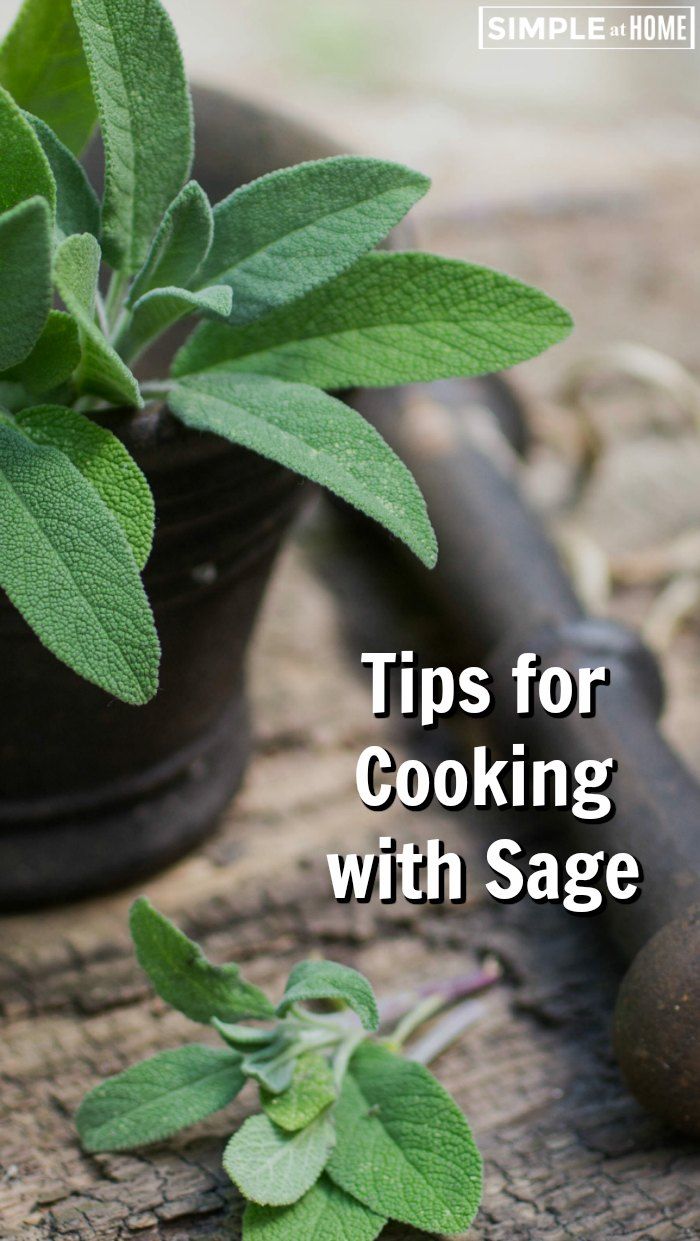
(502, 590)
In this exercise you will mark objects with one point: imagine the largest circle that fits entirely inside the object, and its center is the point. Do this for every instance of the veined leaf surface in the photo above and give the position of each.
(311, 1091)
(296, 228)
(275, 1168)
(154, 1099)
(183, 977)
(145, 113)
(180, 246)
(329, 980)
(404, 1149)
(53, 359)
(83, 596)
(25, 279)
(43, 67)
(390, 319)
(316, 435)
(325, 1213)
(158, 310)
(104, 461)
(101, 370)
(77, 205)
(24, 168)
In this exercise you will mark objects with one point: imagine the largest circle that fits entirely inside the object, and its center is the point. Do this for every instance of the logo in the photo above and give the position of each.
(582, 27)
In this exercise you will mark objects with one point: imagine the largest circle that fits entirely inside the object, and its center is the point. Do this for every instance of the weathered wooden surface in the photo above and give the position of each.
(568, 1153)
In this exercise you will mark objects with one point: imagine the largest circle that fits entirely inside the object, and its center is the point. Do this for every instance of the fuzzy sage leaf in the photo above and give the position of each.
(43, 67)
(390, 319)
(24, 171)
(328, 980)
(77, 205)
(104, 461)
(146, 118)
(101, 370)
(158, 310)
(311, 1091)
(180, 246)
(184, 978)
(272, 1067)
(354, 1137)
(404, 1149)
(275, 1168)
(53, 359)
(294, 229)
(83, 597)
(316, 435)
(325, 1212)
(154, 1099)
(25, 279)
(241, 1037)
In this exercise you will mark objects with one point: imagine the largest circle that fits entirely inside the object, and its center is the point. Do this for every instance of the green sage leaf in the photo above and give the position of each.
(311, 1091)
(158, 310)
(243, 1038)
(182, 976)
(104, 461)
(390, 319)
(316, 435)
(272, 1066)
(53, 359)
(328, 980)
(66, 565)
(292, 230)
(180, 245)
(404, 1148)
(25, 279)
(24, 169)
(101, 370)
(274, 1168)
(154, 1099)
(43, 67)
(146, 118)
(325, 1213)
(77, 206)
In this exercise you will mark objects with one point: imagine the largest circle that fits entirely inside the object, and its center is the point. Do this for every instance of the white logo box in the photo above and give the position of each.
(587, 27)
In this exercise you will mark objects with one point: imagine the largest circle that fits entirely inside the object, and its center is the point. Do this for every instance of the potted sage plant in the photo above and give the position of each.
(170, 373)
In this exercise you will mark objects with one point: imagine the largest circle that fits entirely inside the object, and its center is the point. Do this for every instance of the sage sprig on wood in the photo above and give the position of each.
(350, 1134)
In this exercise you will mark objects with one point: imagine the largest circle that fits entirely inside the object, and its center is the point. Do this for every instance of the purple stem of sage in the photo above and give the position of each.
(446, 1032)
(444, 992)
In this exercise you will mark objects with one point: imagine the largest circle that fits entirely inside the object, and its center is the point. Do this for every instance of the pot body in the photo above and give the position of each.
(94, 793)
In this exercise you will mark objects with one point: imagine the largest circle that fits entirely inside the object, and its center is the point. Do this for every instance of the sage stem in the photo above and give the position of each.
(446, 1032)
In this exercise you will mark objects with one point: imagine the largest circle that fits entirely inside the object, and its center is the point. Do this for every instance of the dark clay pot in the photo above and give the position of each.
(94, 793)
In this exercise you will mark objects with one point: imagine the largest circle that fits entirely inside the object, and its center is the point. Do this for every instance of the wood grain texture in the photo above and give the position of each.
(568, 1152)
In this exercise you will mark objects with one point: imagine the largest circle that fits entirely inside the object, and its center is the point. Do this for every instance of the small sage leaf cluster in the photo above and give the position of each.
(292, 300)
(350, 1135)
